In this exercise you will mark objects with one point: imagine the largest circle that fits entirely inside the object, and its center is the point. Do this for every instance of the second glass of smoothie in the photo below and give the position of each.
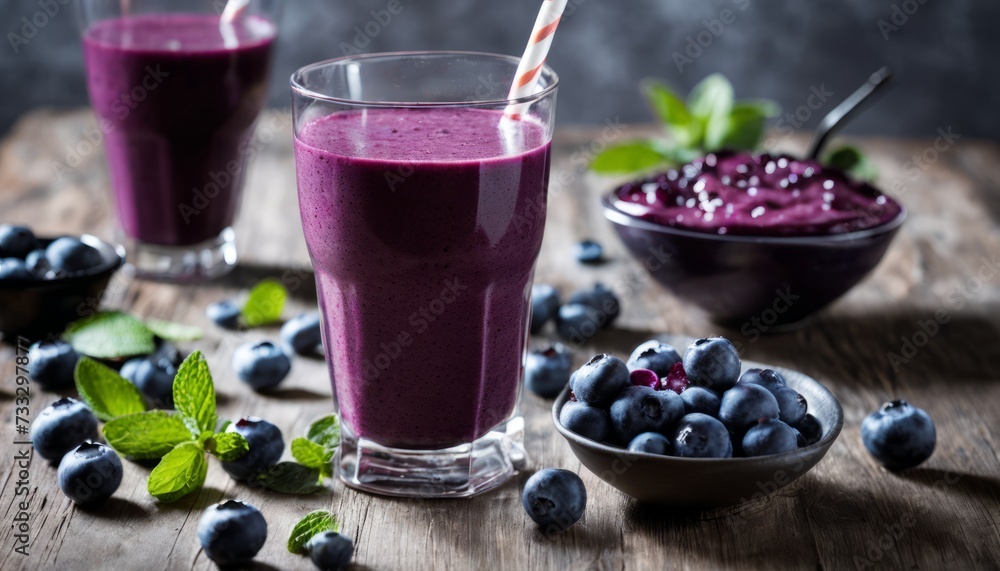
(422, 192)
(177, 89)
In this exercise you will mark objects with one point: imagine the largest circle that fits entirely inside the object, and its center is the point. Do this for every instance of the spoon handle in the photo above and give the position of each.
(840, 114)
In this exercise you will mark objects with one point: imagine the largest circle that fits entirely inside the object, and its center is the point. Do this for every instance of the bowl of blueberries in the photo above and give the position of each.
(701, 430)
(761, 241)
(45, 283)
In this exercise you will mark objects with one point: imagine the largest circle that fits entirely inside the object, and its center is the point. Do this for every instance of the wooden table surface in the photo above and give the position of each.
(846, 513)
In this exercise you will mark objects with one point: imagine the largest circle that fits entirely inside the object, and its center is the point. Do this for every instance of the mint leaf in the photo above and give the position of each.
(265, 303)
(747, 123)
(628, 158)
(289, 478)
(146, 435)
(228, 446)
(171, 331)
(314, 522)
(110, 335)
(179, 473)
(105, 391)
(710, 102)
(194, 394)
(672, 112)
(312, 455)
(325, 431)
(852, 161)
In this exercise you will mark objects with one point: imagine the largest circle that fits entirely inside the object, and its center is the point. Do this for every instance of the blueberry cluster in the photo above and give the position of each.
(584, 314)
(695, 406)
(22, 256)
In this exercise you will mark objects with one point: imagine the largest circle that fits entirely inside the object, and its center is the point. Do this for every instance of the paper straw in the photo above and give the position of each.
(530, 67)
(233, 10)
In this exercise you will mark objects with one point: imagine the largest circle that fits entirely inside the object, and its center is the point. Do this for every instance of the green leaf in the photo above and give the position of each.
(171, 331)
(110, 335)
(194, 394)
(228, 446)
(146, 435)
(265, 303)
(628, 158)
(314, 522)
(325, 431)
(747, 124)
(105, 391)
(312, 455)
(672, 112)
(851, 160)
(289, 478)
(710, 103)
(179, 473)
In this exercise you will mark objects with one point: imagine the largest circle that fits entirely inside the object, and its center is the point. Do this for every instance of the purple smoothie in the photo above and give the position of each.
(177, 106)
(423, 227)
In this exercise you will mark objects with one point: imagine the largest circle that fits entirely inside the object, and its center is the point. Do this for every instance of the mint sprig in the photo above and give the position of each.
(116, 334)
(290, 478)
(194, 394)
(146, 435)
(228, 446)
(265, 303)
(171, 331)
(312, 455)
(179, 473)
(105, 391)
(325, 431)
(314, 522)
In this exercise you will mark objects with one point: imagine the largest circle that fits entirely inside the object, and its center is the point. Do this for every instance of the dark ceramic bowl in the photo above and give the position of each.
(38, 308)
(776, 281)
(709, 482)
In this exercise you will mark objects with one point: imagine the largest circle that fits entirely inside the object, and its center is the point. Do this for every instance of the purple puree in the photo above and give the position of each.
(762, 195)
(177, 108)
(423, 228)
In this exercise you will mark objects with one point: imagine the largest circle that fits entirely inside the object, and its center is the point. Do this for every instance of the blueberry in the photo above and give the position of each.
(51, 364)
(261, 365)
(792, 406)
(61, 427)
(154, 377)
(37, 263)
(676, 380)
(330, 551)
(547, 371)
(587, 421)
(225, 314)
(90, 473)
(644, 378)
(231, 532)
(70, 255)
(700, 399)
(600, 380)
(899, 435)
(301, 334)
(589, 252)
(770, 380)
(712, 363)
(769, 436)
(642, 409)
(655, 356)
(554, 498)
(701, 436)
(743, 405)
(602, 299)
(650, 443)
(810, 430)
(14, 269)
(16, 241)
(577, 323)
(544, 305)
(265, 447)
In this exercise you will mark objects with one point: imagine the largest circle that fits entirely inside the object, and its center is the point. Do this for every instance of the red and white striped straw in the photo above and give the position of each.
(530, 67)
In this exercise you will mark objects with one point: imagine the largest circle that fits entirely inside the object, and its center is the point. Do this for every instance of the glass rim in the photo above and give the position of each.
(299, 88)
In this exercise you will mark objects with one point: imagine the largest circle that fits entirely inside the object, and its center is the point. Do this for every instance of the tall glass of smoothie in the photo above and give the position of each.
(422, 192)
(177, 89)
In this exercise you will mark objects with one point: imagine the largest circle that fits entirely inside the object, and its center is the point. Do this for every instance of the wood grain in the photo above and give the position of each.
(846, 513)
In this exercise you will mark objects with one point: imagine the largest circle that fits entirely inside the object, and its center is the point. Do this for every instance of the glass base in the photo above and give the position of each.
(198, 262)
(458, 472)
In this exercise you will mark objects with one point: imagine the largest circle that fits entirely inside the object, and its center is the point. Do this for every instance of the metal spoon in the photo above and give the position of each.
(842, 113)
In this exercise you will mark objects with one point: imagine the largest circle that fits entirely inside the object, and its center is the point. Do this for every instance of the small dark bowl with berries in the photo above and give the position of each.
(60, 280)
(746, 238)
(714, 432)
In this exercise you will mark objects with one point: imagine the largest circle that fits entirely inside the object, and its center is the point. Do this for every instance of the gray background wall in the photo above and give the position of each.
(945, 54)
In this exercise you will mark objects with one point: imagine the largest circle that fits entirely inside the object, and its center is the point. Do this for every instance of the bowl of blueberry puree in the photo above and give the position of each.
(759, 242)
